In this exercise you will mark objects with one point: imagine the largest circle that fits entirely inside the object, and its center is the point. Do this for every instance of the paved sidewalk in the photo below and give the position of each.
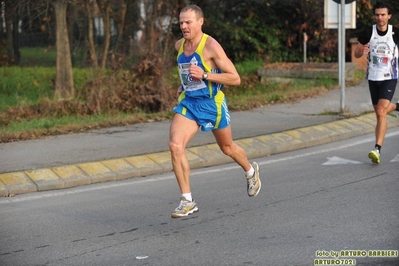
(140, 150)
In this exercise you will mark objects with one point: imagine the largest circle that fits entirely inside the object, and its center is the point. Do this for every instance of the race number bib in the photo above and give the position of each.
(189, 83)
(380, 61)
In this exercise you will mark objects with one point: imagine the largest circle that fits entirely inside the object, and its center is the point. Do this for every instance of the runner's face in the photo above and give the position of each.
(382, 17)
(190, 25)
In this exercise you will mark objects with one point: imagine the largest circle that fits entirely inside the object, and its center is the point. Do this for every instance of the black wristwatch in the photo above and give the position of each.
(205, 76)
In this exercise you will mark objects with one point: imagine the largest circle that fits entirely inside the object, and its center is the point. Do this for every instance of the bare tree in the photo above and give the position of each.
(158, 20)
(90, 37)
(124, 15)
(10, 11)
(64, 84)
(120, 10)
(105, 9)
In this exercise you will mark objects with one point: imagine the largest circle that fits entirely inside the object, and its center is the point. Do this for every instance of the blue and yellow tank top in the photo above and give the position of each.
(196, 88)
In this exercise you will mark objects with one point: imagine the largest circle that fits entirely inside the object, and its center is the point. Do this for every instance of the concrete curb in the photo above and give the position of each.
(144, 165)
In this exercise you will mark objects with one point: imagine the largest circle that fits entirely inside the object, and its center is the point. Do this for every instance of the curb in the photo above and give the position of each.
(208, 155)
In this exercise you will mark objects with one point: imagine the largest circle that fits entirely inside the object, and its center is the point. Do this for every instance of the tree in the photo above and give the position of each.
(11, 12)
(105, 9)
(120, 11)
(90, 36)
(64, 84)
(255, 29)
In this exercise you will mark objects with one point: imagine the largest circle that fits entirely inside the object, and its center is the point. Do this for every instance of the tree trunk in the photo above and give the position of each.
(64, 86)
(151, 28)
(16, 41)
(120, 19)
(92, 46)
(105, 8)
(127, 35)
(10, 41)
(71, 19)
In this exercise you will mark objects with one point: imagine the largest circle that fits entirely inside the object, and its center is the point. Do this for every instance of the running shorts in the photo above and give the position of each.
(384, 89)
(209, 113)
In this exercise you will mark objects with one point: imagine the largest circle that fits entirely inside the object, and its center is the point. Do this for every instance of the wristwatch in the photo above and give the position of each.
(205, 76)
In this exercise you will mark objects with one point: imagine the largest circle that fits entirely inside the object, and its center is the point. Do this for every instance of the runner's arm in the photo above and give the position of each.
(218, 60)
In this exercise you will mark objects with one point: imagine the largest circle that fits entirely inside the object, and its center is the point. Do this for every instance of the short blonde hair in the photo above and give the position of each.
(198, 11)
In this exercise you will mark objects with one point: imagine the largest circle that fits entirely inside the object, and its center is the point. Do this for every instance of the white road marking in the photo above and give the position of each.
(338, 160)
(395, 159)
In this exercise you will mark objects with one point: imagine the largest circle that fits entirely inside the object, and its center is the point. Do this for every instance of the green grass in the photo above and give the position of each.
(24, 86)
(249, 67)
(46, 56)
(241, 98)
(38, 56)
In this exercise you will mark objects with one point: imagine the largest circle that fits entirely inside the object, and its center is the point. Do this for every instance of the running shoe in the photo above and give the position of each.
(374, 155)
(253, 182)
(185, 208)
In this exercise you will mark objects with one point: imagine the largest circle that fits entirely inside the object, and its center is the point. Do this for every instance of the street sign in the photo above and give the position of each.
(332, 11)
(340, 16)
(346, 1)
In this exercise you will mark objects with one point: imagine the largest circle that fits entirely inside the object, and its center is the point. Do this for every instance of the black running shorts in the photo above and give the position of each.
(384, 89)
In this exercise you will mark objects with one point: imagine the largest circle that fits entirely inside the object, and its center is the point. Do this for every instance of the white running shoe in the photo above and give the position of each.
(253, 182)
(185, 208)
(374, 155)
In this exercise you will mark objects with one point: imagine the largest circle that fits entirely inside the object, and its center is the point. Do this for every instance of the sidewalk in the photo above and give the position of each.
(140, 150)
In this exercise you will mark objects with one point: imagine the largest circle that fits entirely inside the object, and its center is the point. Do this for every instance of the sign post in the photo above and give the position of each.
(305, 40)
(341, 37)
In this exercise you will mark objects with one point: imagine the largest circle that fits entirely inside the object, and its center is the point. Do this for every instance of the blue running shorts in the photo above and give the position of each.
(209, 113)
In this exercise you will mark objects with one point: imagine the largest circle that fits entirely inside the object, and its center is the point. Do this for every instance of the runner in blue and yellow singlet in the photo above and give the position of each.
(204, 69)
(201, 100)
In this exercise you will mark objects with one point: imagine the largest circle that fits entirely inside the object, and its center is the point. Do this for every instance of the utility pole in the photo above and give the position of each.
(341, 54)
(341, 48)
(335, 17)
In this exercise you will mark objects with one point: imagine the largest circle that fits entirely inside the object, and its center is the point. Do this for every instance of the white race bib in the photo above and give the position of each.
(189, 83)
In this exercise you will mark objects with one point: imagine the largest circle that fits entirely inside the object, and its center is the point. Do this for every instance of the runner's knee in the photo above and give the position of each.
(175, 147)
(381, 111)
(227, 149)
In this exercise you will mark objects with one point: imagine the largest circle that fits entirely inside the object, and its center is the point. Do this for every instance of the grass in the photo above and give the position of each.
(30, 55)
(257, 95)
(23, 86)
(46, 56)
(26, 86)
(36, 128)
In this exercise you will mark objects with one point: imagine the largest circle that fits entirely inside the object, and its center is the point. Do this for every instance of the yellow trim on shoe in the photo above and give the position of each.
(374, 156)
(185, 208)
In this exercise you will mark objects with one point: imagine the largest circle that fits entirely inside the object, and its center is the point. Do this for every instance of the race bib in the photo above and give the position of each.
(380, 61)
(189, 83)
